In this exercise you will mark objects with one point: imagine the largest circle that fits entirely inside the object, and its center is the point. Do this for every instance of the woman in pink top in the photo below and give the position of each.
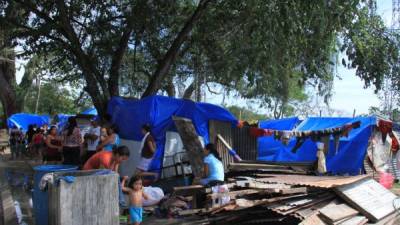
(72, 141)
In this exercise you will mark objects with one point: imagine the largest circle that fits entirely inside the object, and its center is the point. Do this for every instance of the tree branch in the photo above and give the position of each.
(210, 90)
(189, 91)
(170, 57)
(117, 59)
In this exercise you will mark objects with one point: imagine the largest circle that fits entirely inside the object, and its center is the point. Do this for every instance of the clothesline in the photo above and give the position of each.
(318, 135)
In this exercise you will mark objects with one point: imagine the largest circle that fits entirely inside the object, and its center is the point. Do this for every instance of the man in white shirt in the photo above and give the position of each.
(92, 138)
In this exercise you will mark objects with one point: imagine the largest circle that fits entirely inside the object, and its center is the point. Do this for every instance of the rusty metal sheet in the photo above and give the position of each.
(312, 181)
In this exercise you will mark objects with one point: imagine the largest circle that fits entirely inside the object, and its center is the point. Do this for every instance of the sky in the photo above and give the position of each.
(348, 92)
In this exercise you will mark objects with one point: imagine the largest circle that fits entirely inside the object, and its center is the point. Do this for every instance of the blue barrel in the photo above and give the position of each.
(41, 198)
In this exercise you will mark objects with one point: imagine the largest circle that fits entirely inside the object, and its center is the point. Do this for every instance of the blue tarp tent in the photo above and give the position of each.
(62, 120)
(352, 149)
(130, 115)
(23, 120)
(91, 111)
(268, 146)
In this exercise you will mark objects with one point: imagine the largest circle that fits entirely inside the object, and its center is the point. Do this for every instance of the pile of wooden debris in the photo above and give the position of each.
(277, 194)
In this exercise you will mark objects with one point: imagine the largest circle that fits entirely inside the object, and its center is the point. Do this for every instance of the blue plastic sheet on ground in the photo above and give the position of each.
(23, 120)
(130, 115)
(352, 149)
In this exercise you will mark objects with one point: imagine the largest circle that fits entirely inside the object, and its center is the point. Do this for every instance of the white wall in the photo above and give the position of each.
(128, 167)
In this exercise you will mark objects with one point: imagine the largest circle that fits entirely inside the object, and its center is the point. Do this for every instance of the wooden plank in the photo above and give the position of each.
(356, 220)
(188, 190)
(392, 219)
(189, 212)
(338, 212)
(369, 197)
(235, 194)
(251, 166)
(293, 190)
(191, 143)
(313, 220)
(273, 188)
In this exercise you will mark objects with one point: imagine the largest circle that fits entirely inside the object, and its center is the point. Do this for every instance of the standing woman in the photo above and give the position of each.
(147, 150)
(52, 152)
(111, 141)
(72, 141)
(38, 140)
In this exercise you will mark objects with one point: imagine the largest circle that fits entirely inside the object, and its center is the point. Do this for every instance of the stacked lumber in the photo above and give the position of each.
(264, 197)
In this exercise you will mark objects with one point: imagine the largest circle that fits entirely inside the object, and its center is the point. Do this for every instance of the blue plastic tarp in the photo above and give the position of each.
(130, 115)
(23, 120)
(352, 149)
(62, 120)
(268, 146)
(91, 111)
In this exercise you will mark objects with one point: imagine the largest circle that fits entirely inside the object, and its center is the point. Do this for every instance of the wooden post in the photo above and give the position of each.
(191, 143)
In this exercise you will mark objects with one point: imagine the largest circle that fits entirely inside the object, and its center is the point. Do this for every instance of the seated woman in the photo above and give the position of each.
(110, 141)
(213, 167)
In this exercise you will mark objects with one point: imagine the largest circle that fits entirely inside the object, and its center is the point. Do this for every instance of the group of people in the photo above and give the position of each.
(100, 148)
(30, 143)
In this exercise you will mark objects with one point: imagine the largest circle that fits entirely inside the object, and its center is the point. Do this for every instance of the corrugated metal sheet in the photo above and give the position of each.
(312, 181)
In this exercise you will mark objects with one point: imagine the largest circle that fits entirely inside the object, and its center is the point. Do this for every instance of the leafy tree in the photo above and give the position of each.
(257, 48)
(90, 38)
(54, 99)
(246, 114)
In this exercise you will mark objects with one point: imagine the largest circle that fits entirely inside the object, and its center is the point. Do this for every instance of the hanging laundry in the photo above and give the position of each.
(336, 140)
(385, 127)
(316, 136)
(325, 139)
(258, 132)
(299, 143)
(286, 135)
(395, 143)
(321, 168)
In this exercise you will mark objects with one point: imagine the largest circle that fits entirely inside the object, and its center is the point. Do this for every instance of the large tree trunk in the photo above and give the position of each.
(170, 57)
(8, 95)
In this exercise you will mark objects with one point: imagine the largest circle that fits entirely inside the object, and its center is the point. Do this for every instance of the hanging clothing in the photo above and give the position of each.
(143, 141)
(385, 127)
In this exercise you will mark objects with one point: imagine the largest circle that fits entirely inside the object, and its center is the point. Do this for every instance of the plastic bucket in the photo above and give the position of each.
(386, 180)
(41, 198)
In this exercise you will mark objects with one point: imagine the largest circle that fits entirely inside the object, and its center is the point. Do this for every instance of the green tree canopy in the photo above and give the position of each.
(257, 48)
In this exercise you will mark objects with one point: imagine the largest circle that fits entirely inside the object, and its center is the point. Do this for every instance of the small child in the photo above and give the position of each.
(135, 191)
